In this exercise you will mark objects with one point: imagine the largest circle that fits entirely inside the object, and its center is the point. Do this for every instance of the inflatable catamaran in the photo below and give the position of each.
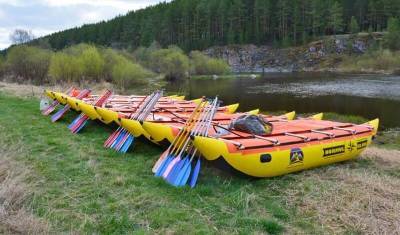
(203, 128)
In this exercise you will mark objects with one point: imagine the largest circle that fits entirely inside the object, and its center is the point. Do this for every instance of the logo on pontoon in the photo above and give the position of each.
(362, 144)
(335, 150)
(296, 156)
(351, 146)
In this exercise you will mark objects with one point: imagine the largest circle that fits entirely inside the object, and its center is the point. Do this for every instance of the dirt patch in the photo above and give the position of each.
(387, 158)
(27, 90)
(21, 90)
(351, 198)
(15, 215)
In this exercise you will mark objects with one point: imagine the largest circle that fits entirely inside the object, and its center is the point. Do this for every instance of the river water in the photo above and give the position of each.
(369, 96)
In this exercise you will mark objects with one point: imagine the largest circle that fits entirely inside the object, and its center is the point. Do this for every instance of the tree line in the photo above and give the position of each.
(203, 23)
(89, 63)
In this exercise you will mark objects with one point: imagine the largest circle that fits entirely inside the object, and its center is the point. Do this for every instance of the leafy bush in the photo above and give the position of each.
(204, 65)
(111, 58)
(391, 39)
(175, 66)
(78, 49)
(64, 67)
(126, 73)
(172, 62)
(29, 63)
(143, 54)
(92, 63)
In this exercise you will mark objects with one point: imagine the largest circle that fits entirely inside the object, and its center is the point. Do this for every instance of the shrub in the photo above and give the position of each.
(29, 63)
(143, 54)
(64, 67)
(391, 39)
(175, 65)
(92, 63)
(204, 65)
(126, 74)
(111, 58)
(172, 62)
(78, 49)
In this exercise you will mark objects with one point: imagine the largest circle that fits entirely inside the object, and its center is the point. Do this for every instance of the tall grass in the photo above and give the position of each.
(15, 192)
(377, 60)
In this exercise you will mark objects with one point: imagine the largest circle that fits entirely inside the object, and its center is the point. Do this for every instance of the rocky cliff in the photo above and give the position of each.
(311, 57)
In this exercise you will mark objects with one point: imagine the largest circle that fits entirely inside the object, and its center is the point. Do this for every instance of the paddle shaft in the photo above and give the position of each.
(198, 127)
(176, 139)
(187, 132)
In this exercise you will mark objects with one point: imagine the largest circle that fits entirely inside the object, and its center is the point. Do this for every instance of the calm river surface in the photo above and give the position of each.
(369, 96)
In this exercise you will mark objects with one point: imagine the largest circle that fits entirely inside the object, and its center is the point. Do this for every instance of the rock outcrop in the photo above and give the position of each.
(258, 59)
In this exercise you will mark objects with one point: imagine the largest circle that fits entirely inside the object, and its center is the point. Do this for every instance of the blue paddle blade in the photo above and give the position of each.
(118, 139)
(163, 165)
(186, 176)
(175, 170)
(81, 126)
(121, 142)
(74, 122)
(127, 144)
(195, 174)
(182, 174)
(60, 113)
(124, 141)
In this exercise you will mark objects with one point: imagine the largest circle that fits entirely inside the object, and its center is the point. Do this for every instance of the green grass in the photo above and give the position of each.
(344, 118)
(82, 187)
(388, 139)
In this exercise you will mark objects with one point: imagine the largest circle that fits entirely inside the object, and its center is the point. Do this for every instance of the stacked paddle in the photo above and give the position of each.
(176, 163)
(121, 139)
(82, 119)
(82, 94)
(55, 103)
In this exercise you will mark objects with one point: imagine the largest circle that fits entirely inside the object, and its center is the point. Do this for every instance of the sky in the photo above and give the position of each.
(43, 17)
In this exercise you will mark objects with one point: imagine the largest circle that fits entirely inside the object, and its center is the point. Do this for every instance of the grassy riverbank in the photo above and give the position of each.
(70, 183)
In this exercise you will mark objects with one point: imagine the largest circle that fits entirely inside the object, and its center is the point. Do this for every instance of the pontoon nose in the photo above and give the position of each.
(210, 148)
(232, 108)
(49, 94)
(159, 132)
(89, 111)
(317, 116)
(134, 127)
(107, 116)
(58, 97)
(71, 101)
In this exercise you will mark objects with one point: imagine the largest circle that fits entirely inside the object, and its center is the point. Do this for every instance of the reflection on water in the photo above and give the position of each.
(369, 96)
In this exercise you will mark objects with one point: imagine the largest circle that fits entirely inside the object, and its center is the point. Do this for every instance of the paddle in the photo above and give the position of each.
(165, 157)
(55, 103)
(111, 139)
(176, 145)
(124, 135)
(82, 119)
(184, 173)
(122, 139)
(170, 171)
(172, 174)
(82, 94)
